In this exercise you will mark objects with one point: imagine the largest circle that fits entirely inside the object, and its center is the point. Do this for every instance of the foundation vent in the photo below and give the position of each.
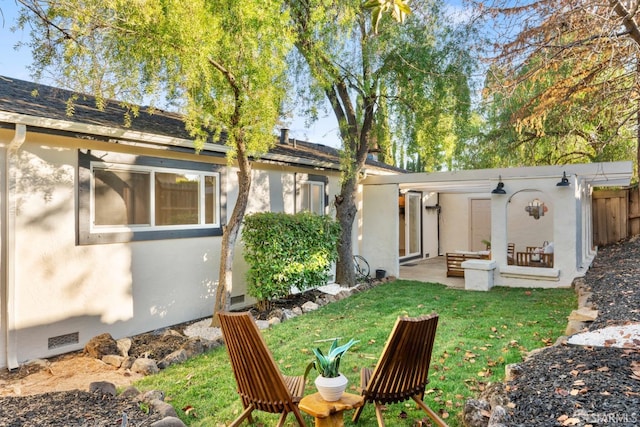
(62, 340)
(238, 299)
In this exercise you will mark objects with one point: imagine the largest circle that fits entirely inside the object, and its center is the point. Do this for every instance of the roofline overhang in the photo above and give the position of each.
(604, 174)
(127, 135)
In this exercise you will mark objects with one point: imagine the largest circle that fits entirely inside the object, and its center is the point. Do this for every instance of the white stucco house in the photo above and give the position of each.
(415, 216)
(107, 228)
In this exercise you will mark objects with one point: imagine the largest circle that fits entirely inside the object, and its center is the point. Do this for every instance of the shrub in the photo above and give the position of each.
(285, 250)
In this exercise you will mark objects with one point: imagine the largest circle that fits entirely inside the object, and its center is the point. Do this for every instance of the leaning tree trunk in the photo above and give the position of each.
(229, 237)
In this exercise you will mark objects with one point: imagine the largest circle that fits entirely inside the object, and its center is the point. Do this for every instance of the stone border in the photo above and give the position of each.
(201, 338)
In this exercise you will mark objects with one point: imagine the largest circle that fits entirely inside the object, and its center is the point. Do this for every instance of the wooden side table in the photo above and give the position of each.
(329, 414)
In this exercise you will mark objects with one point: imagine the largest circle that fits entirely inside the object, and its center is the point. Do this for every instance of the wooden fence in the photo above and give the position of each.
(616, 215)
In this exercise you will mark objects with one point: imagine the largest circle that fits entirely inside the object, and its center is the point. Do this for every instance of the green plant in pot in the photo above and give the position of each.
(330, 382)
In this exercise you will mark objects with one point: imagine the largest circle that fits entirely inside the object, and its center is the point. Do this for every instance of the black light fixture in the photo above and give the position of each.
(499, 188)
(564, 182)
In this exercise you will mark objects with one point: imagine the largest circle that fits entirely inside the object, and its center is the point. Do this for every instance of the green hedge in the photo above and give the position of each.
(285, 250)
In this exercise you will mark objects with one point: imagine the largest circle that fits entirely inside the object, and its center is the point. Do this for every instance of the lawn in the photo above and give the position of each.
(478, 334)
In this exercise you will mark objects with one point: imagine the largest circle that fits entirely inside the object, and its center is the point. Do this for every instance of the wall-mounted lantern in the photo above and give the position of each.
(564, 181)
(499, 188)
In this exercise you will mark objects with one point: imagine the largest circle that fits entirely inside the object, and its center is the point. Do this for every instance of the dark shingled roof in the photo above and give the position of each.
(33, 99)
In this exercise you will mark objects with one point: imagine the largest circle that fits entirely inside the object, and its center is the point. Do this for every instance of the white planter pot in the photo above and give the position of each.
(331, 389)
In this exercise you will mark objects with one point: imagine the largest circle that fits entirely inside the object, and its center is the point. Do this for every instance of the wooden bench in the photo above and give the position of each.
(532, 259)
(455, 260)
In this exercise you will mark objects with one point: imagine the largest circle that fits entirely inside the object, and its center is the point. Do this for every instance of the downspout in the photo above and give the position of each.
(8, 245)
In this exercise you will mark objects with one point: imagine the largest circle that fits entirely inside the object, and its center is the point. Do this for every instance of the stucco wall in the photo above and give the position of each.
(454, 221)
(380, 245)
(63, 288)
(430, 219)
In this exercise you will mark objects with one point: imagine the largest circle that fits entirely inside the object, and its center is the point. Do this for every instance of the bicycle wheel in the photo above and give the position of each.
(362, 267)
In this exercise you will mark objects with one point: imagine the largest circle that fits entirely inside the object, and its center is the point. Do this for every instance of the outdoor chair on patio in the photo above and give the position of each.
(402, 371)
(511, 249)
(261, 385)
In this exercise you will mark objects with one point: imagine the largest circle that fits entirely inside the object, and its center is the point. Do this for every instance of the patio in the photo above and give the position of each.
(432, 270)
(412, 217)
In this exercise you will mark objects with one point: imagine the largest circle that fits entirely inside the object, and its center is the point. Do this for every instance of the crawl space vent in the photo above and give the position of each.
(62, 340)
(237, 299)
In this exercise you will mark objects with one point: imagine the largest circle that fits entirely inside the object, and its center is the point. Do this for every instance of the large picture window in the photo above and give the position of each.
(139, 200)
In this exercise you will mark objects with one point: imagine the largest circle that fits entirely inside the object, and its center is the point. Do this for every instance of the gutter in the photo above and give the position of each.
(7, 283)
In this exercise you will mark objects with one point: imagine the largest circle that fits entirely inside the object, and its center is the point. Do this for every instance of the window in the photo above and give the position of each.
(311, 193)
(132, 198)
(144, 197)
(312, 197)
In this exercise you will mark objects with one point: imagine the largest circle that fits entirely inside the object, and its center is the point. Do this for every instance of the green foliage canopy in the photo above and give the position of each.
(221, 63)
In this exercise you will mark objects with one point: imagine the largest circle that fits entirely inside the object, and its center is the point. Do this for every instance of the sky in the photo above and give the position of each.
(14, 63)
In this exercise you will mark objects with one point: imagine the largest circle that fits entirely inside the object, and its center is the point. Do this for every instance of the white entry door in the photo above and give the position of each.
(410, 226)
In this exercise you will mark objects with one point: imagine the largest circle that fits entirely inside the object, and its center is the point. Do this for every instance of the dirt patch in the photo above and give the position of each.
(69, 372)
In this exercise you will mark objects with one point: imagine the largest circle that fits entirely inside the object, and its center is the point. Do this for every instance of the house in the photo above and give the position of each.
(533, 209)
(113, 228)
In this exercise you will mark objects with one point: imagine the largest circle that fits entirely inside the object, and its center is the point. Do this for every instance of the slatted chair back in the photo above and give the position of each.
(403, 369)
(260, 383)
(402, 372)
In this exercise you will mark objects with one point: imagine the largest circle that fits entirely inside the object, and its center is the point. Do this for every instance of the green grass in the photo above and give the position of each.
(478, 334)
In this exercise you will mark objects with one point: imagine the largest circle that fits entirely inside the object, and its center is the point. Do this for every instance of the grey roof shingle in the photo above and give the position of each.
(38, 100)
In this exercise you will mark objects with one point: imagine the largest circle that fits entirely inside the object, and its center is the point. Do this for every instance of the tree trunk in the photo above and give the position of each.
(345, 214)
(229, 237)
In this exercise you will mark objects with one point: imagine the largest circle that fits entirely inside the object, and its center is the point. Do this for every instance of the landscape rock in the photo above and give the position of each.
(101, 345)
(297, 311)
(476, 413)
(169, 422)
(196, 346)
(103, 388)
(309, 306)
(584, 314)
(274, 321)
(124, 345)
(574, 327)
(289, 314)
(262, 324)
(150, 395)
(177, 356)
(145, 366)
(127, 363)
(495, 394)
(277, 313)
(343, 294)
(512, 371)
(499, 417)
(129, 393)
(113, 360)
(163, 408)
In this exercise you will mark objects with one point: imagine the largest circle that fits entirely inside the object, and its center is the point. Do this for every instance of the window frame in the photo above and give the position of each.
(311, 180)
(89, 233)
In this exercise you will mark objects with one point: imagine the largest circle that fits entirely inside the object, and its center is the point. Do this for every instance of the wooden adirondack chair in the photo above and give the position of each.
(261, 385)
(402, 371)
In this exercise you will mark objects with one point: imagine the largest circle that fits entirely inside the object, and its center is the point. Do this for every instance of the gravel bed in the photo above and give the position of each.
(569, 385)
